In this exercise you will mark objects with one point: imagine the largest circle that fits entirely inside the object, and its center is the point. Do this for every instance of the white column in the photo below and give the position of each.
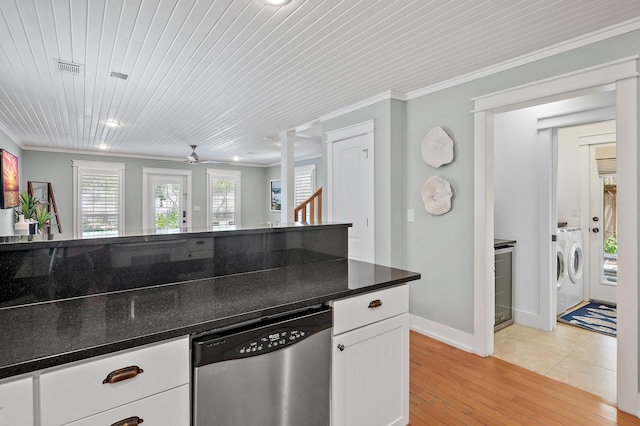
(286, 175)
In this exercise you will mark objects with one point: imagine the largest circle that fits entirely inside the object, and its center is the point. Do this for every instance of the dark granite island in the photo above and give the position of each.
(64, 300)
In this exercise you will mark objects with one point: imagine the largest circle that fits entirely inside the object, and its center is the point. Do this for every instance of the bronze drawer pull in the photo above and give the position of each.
(123, 374)
(131, 421)
(375, 303)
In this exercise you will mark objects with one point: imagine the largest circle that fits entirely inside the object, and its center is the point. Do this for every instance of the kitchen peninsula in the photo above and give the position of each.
(67, 300)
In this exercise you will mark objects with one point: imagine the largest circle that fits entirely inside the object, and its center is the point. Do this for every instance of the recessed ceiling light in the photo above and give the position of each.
(276, 2)
(103, 146)
(112, 123)
(236, 158)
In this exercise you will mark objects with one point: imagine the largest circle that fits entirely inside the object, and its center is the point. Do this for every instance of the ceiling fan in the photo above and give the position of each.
(194, 158)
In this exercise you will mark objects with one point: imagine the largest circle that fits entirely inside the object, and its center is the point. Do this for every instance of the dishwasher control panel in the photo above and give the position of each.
(259, 338)
(271, 340)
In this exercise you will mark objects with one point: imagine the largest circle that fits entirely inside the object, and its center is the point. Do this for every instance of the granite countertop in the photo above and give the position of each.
(43, 335)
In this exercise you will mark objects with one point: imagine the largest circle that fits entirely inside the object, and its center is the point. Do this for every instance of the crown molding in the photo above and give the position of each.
(391, 94)
(565, 46)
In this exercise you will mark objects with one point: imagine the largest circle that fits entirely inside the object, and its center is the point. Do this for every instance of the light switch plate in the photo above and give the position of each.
(410, 215)
(197, 208)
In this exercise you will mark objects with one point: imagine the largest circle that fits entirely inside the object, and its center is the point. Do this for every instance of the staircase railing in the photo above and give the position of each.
(314, 206)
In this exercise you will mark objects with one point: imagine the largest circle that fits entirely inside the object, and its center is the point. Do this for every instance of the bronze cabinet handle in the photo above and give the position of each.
(131, 421)
(122, 374)
(375, 303)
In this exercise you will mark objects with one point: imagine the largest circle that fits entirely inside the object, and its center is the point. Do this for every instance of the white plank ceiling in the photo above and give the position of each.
(228, 75)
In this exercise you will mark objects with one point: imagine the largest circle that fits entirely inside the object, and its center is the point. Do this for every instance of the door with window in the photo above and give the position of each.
(166, 200)
(603, 223)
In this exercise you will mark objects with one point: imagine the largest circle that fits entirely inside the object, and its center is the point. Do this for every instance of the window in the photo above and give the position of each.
(223, 198)
(98, 204)
(305, 185)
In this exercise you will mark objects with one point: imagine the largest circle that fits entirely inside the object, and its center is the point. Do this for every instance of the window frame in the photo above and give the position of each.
(226, 174)
(81, 167)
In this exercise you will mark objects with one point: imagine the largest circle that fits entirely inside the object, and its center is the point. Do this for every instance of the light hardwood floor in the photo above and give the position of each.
(452, 387)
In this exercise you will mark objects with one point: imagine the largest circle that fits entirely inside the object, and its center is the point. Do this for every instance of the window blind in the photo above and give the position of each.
(304, 187)
(223, 200)
(99, 203)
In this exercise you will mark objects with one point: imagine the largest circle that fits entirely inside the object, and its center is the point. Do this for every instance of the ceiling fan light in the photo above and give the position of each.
(276, 2)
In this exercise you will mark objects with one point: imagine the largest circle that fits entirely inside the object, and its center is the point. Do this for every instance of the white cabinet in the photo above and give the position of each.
(166, 408)
(76, 391)
(16, 402)
(370, 375)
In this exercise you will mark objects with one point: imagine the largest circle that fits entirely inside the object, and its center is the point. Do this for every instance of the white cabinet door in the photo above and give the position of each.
(370, 377)
(16, 402)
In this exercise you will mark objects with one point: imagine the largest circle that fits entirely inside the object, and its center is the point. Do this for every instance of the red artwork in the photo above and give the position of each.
(9, 182)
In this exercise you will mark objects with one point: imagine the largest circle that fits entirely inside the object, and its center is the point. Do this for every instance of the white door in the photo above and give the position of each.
(166, 202)
(603, 262)
(351, 193)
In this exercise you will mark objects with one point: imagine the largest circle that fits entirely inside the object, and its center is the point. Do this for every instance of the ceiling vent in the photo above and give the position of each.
(69, 68)
(119, 75)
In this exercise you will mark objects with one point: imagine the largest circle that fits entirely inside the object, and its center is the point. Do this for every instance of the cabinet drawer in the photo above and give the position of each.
(166, 408)
(354, 312)
(76, 391)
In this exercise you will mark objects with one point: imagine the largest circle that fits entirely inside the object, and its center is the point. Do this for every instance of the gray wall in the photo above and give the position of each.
(56, 168)
(441, 247)
(6, 215)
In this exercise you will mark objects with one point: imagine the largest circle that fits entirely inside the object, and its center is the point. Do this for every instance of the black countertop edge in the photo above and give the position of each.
(32, 365)
(503, 242)
(28, 242)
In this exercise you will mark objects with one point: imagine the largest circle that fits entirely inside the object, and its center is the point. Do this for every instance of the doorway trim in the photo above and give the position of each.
(623, 73)
(146, 171)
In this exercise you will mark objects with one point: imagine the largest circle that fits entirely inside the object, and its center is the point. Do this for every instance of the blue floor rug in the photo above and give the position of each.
(594, 316)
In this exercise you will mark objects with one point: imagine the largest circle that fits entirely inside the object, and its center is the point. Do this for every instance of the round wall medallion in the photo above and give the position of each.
(436, 195)
(437, 147)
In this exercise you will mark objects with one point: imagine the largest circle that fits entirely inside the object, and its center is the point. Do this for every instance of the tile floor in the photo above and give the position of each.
(571, 355)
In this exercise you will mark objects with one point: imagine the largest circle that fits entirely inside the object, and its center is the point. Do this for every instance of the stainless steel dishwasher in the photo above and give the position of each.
(273, 372)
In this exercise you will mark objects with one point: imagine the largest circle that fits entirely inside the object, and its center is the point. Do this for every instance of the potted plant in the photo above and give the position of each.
(29, 208)
(42, 217)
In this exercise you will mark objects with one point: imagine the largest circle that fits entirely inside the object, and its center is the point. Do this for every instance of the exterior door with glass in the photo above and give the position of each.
(603, 228)
(167, 201)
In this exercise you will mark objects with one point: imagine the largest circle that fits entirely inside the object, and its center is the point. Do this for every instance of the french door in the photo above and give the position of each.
(166, 200)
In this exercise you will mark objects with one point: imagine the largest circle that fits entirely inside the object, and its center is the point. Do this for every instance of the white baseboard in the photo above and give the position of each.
(526, 318)
(450, 336)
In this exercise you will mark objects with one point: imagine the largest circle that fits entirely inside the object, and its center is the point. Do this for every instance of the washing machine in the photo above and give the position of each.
(575, 267)
(561, 270)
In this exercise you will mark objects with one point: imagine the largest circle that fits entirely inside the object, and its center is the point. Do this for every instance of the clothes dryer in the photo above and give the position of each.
(575, 267)
(561, 270)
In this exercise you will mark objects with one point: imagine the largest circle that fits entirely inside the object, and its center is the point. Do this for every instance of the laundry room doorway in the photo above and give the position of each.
(621, 76)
